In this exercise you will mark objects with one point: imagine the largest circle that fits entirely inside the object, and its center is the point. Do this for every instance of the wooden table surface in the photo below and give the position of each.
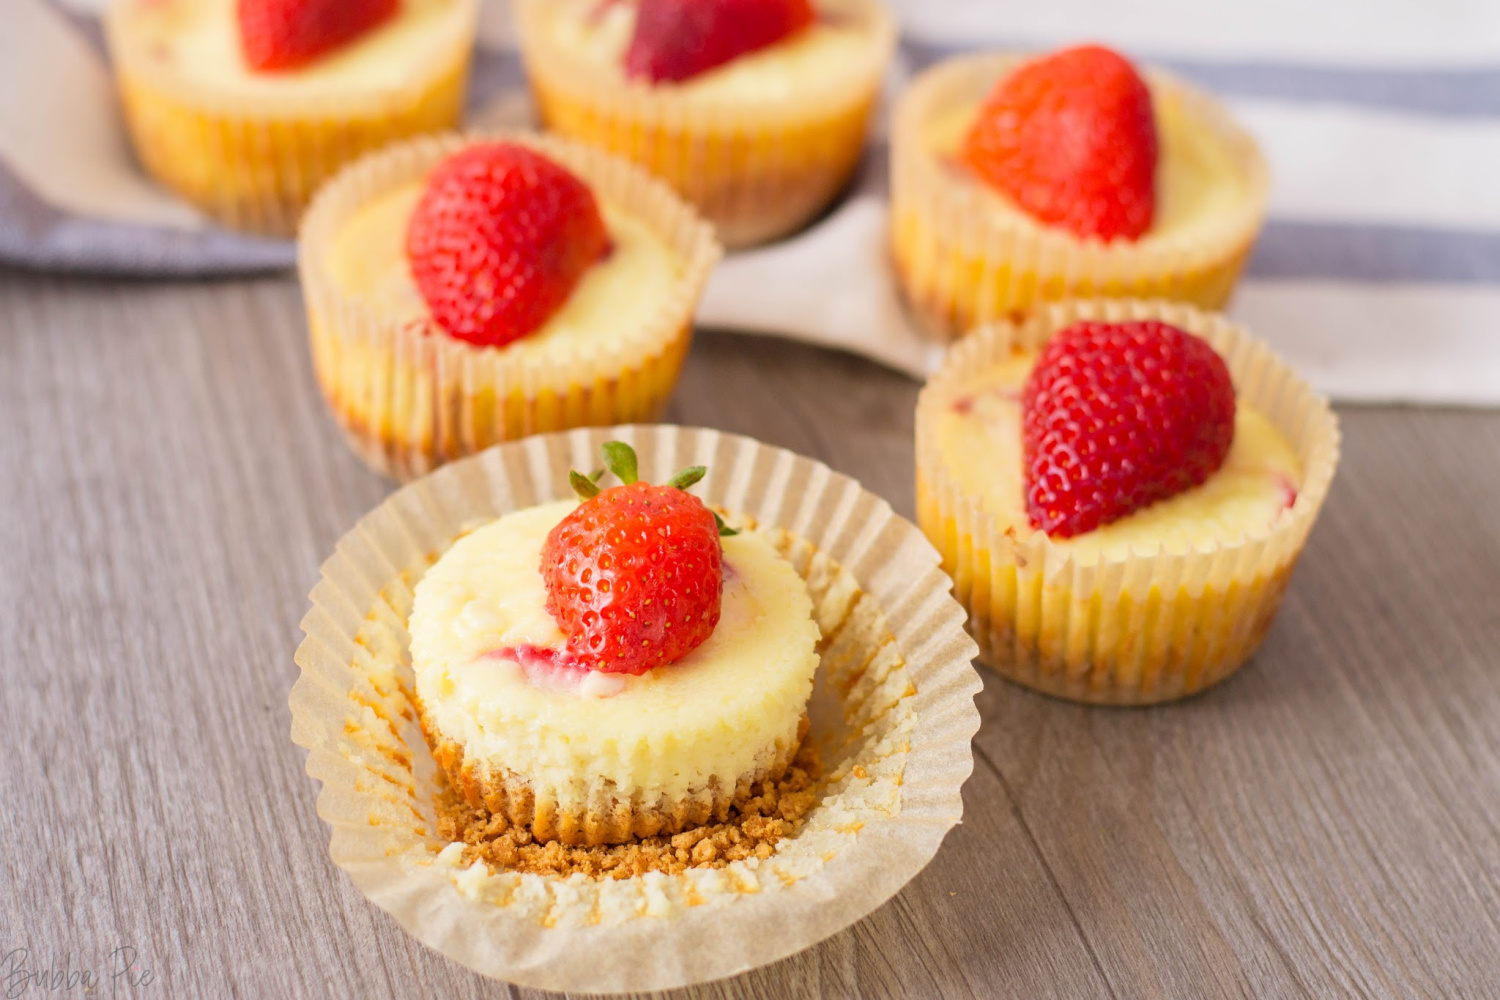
(1325, 823)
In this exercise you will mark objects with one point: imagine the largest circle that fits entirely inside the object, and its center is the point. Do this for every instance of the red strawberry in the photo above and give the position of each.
(678, 39)
(634, 575)
(1116, 416)
(285, 34)
(499, 240)
(1071, 138)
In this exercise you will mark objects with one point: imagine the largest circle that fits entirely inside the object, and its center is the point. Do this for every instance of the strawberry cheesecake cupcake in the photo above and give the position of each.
(244, 107)
(1015, 181)
(620, 666)
(462, 292)
(1120, 491)
(754, 110)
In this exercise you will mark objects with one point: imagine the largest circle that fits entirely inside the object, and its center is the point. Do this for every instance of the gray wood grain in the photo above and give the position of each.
(1326, 823)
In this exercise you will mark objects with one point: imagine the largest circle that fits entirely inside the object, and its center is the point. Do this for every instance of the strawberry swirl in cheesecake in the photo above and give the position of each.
(611, 668)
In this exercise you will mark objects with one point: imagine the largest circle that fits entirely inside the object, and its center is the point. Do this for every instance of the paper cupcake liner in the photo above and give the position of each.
(409, 397)
(1151, 627)
(253, 162)
(756, 171)
(961, 263)
(892, 713)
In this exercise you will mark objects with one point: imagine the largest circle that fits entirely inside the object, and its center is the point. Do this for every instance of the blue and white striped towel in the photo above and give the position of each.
(1378, 273)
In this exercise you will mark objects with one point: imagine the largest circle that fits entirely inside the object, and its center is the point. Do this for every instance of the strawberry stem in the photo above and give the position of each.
(620, 459)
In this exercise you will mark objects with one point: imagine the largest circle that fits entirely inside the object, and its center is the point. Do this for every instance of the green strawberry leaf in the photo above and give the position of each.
(687, 477)
(583, 485)
(619, 458)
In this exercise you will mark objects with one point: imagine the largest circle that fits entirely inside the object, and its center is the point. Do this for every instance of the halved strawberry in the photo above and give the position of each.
(285, 34)
(500, 239)
(1071, 139)
(1116, 416)
(634, 575)
(678, 39)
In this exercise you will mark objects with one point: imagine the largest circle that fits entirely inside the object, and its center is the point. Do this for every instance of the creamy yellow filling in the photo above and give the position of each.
(622, 293)
(979, 436)
(199, 41)
(720, 711)
(815, 58)
(1198, 179)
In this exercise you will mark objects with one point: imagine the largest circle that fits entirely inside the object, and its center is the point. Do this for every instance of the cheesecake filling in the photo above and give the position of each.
(814, 58)
(493, 674)
(199, 41)
(1198, 180)
(623, 292)
(979, 435)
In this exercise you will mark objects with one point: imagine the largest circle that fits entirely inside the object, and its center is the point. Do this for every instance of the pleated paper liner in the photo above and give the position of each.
(253, 161)
(409, 397)
(962, 263)
(892, 713)
(757, 170)
(1151, 627)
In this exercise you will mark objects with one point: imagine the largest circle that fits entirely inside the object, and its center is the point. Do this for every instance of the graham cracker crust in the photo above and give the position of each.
(609, 817)
(772, 808)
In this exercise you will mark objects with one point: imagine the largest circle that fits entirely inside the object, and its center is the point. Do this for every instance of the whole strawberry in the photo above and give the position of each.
(1071, 139)
(286, 34)
(635, 574)
(500, 239)
(1116, 416)
(678, 39)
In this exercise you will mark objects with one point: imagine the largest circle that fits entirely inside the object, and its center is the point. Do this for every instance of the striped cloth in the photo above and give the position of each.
(1378, 273)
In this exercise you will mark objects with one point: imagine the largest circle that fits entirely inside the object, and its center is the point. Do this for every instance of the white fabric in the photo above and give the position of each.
(1354, 165)
(59, 128)
(1373, 33)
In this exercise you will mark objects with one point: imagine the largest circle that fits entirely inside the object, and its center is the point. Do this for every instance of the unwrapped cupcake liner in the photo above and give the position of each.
(253, 162)
(756, 170)
(409, 397)
(892, 714)
(961, 263)
(1149, 627)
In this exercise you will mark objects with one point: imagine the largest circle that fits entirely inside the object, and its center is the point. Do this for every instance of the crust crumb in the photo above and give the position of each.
(775, 809)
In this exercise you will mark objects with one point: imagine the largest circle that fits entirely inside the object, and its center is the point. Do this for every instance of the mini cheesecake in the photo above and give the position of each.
(411, 395)
(527, 730)
(967, 254)
(759, 144)
(251, 146)
(1159, 598)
